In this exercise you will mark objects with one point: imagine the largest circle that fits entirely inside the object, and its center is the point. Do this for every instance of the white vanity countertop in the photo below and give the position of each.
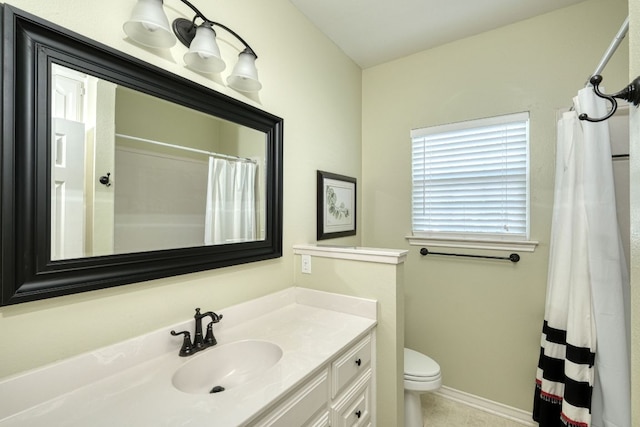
(129, 383)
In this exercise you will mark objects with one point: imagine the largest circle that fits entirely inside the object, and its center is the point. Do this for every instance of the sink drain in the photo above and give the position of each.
(217, 389)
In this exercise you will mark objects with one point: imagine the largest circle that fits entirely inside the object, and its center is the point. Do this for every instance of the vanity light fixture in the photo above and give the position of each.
(149, 26)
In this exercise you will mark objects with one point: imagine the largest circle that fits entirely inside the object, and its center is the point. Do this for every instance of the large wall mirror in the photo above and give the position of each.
(115, 171)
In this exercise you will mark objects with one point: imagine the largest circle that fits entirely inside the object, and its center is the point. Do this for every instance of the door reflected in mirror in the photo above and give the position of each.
(132, 172)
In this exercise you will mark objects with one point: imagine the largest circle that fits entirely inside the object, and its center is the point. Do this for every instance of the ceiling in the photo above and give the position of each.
(375, 31)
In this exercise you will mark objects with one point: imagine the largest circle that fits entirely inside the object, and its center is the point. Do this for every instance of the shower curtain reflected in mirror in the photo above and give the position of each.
(231, 202)
(583, 370)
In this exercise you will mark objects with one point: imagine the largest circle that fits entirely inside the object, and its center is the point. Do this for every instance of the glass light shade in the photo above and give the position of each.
(244, 77)
(204, 54)
(149, 25)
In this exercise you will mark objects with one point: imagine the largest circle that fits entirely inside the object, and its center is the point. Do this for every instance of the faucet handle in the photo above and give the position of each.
(209, 339)
(187, 348)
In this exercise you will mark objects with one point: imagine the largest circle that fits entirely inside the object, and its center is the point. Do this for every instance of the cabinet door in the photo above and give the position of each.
(307, 406)
(353, 408)
(323, 420)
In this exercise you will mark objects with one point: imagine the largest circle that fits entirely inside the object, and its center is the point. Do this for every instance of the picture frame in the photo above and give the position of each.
(336, 205)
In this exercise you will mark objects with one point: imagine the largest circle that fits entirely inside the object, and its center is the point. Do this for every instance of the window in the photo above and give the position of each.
(471, 179)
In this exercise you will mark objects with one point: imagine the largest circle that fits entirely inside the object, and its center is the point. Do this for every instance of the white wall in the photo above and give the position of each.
(619, 133)
(307, 81)
(152, 209)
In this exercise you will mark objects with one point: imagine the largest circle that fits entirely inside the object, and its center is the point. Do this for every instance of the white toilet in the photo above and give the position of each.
(421, 374)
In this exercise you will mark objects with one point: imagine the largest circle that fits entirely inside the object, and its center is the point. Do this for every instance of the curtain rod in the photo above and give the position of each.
(622, 32)
(178, 147)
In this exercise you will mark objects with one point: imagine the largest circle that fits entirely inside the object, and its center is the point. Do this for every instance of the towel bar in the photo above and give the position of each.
(512, 257)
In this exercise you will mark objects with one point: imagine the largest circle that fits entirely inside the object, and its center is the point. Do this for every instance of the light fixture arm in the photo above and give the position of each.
(236, 35)
(196, 11)
(185, 30)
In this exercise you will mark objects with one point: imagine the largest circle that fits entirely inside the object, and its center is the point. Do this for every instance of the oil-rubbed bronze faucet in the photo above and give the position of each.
(199, 342)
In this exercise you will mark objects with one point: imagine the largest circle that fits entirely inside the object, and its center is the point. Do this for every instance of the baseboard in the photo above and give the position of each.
(495, 408)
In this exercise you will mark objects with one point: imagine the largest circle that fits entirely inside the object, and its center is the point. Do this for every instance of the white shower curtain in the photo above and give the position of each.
(231, 202)
(585, 333)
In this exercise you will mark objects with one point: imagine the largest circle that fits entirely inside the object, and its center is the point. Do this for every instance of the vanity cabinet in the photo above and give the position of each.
(324, 375)
(340, 395)
(307, 406)
(353, 408)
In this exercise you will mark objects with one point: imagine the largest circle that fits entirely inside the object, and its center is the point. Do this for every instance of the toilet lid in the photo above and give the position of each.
(417, 365)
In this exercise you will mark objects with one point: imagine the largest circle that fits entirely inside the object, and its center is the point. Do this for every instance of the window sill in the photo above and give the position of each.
(471, 243)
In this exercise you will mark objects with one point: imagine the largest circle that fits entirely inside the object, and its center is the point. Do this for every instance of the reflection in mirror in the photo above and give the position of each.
(115, 171)
(133, 173)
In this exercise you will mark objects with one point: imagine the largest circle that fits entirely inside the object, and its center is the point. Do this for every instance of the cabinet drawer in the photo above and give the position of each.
(353, 409)
(307, 406)
(345, 369)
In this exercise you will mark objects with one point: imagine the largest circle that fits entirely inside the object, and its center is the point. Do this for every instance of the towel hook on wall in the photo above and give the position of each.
(106, 180)
(630, 94)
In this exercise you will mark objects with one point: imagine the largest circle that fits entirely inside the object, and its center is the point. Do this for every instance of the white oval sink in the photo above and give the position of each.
(226, 366)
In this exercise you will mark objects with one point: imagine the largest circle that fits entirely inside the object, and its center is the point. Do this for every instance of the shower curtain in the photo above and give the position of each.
(583, 371)
(231, 202)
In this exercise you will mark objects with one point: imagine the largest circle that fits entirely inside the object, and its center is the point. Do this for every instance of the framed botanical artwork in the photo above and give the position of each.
(336, 205)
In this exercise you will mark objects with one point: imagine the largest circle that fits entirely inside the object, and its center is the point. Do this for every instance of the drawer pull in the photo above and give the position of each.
(358, 414)
(358, 362)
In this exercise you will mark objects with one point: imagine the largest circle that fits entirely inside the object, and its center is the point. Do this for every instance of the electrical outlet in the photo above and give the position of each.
(306, 264)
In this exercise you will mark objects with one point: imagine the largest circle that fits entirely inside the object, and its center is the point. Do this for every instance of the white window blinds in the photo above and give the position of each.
(472, 178)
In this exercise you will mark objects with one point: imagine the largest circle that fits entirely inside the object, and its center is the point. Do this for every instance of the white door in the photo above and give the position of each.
(67, 160)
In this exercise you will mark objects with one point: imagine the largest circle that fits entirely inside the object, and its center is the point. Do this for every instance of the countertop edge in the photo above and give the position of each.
(353, 253)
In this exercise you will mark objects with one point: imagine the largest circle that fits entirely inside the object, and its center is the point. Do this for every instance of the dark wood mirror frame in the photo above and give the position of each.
(30, 45)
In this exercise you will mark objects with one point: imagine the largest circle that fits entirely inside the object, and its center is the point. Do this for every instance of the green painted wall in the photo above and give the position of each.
(307, 81)
(480, 320)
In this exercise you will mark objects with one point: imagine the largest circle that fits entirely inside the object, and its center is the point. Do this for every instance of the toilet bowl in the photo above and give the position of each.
(421, 374)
